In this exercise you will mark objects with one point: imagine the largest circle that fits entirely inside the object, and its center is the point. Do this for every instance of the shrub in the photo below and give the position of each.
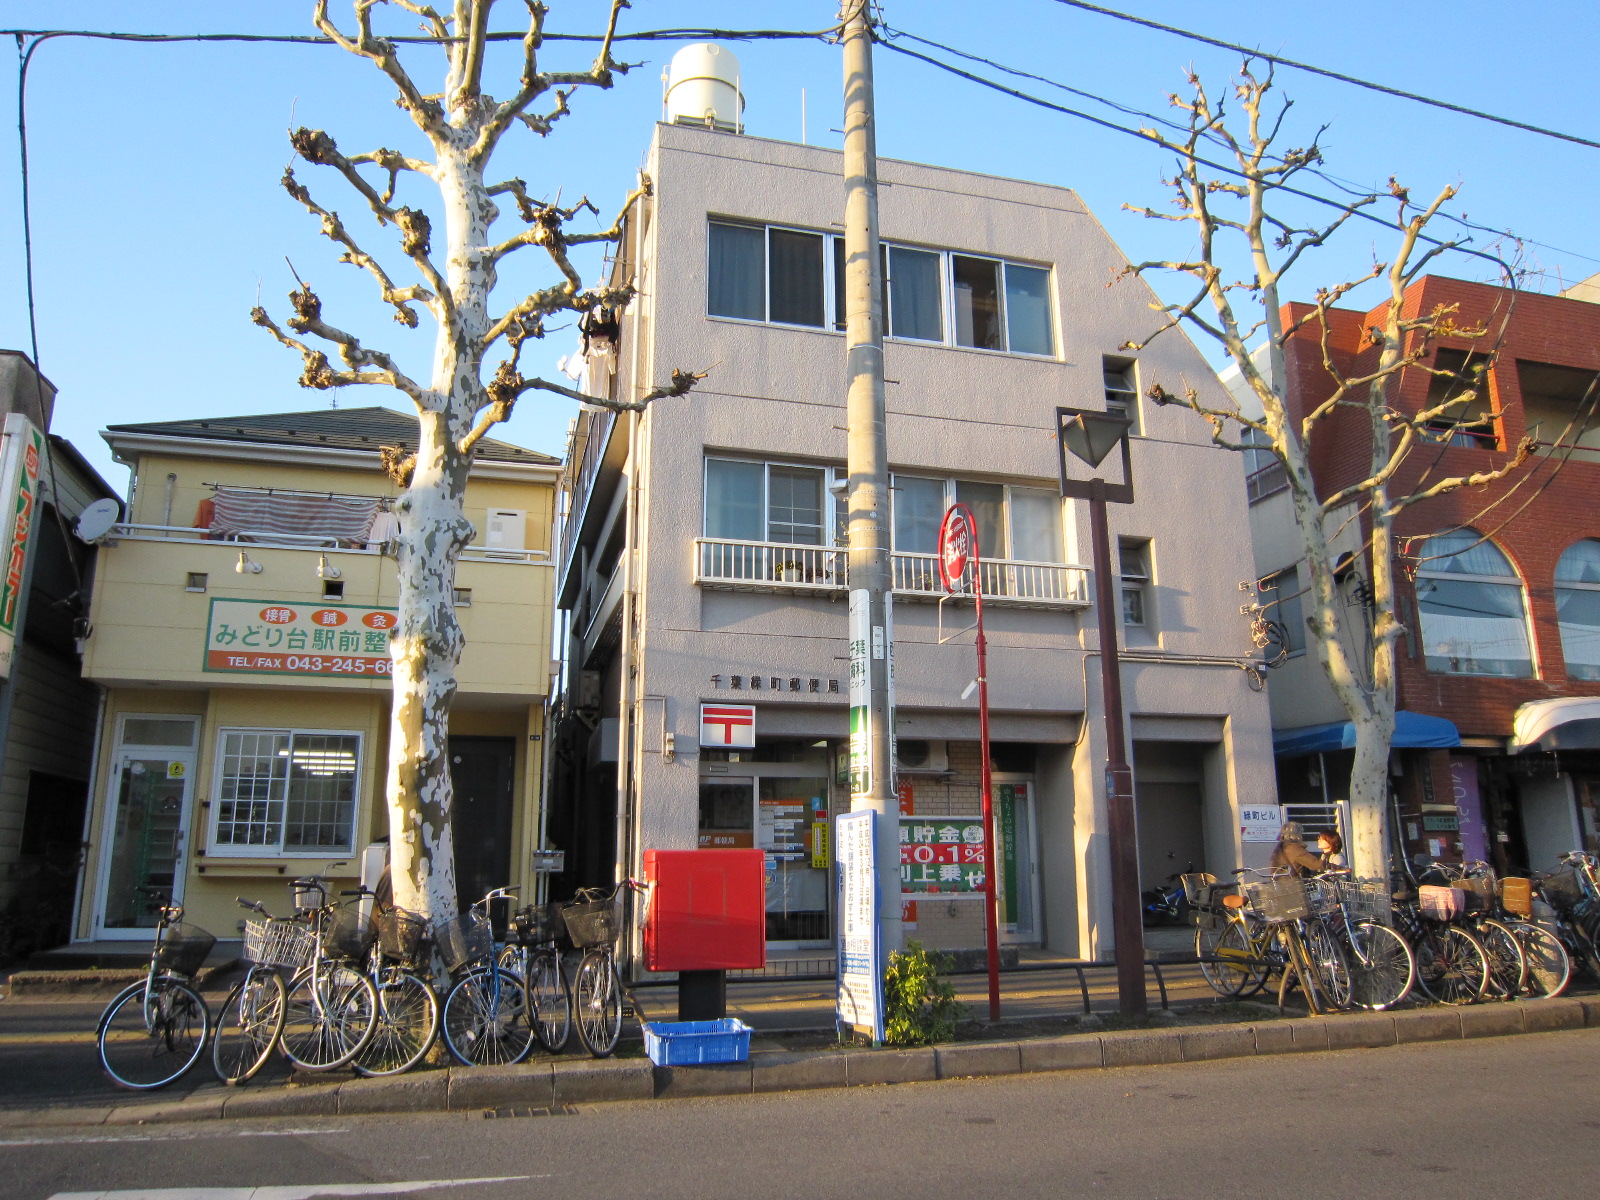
(920, 1008)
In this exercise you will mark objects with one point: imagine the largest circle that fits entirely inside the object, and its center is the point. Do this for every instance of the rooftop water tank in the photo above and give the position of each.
(703, 88)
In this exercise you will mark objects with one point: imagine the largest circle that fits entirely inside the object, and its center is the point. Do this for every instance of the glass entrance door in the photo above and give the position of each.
(147, 853)
(789, 812)
(1017, 881)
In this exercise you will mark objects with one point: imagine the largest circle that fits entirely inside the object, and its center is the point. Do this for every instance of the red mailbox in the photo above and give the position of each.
(708, 910)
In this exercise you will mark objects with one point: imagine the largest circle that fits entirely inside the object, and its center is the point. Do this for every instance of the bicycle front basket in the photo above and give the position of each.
(467, 939)
(1479, 892)
(349, 934)
(1516, 896)
(1322, 896)
(1197, 887)
(1278, 899)
(401, 934)
(1562, 889)
(276, 943)
(594, 922)
(1366, 899)
(539, 925)
(184, 948)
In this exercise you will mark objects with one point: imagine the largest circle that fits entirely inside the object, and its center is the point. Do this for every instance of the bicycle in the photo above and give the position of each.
(1237, 951)
(594, 922)
(533, 951)
(252, 1017)
(1452, 965)
(1313, 959)
(1478, 887)
(1572, 895)
(486, 1012)
(1382, 969)
(1549, 965)
(152, 1032)
(408, 1012)
(332, 1007)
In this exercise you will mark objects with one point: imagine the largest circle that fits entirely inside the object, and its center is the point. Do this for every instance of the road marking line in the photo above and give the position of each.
(176, 1136)
(291, 1192)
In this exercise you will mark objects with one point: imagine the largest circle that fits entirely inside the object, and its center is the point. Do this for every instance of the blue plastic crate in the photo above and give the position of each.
(688, 1043)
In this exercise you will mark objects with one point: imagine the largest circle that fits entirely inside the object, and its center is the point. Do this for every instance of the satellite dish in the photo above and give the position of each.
(95, 521)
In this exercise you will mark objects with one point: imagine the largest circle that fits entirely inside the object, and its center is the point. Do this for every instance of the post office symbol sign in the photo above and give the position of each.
(730, 725)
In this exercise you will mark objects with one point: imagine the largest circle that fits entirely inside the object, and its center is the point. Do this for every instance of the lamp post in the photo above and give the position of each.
(1091, 436)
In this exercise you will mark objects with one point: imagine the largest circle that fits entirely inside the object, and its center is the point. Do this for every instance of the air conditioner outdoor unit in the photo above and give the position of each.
(918, 755)
(588, 690)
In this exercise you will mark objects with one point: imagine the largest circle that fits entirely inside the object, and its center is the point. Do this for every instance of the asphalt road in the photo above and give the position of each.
(1501, 1116)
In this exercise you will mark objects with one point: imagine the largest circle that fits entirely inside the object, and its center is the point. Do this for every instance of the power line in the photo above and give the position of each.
(645, 35)
(1153, 139)
(1279, 60)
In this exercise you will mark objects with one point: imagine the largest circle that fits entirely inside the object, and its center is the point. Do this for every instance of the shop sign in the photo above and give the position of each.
(860, 951)
(1469, 805)
(819, 846)
(1260, 822)
(861, 764)
(268, 637)
(942, 854)
(728, 725)
(19, 494)
(1441, 823)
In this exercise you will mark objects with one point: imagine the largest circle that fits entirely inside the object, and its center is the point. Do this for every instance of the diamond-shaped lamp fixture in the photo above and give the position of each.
(1093, 435)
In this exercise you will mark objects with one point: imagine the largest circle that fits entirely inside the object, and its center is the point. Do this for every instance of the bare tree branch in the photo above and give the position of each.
(427, 113)
(366, 366)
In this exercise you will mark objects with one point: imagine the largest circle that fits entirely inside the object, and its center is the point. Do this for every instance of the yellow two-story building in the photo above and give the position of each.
(239, 632)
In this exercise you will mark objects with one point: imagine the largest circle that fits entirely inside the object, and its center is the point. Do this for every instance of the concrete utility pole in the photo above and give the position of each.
(872, 784)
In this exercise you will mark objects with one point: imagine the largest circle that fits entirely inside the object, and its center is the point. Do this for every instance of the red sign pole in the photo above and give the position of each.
(958, 553)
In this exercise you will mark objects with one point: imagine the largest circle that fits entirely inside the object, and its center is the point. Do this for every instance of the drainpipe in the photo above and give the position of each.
(95, 792)
(166, 511)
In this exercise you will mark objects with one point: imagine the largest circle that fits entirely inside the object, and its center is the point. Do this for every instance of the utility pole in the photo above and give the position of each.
(872, 785)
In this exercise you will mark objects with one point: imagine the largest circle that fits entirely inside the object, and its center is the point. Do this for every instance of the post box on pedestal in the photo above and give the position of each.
(707, 917)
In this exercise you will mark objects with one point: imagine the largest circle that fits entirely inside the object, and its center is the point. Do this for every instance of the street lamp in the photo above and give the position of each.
(1091, 436)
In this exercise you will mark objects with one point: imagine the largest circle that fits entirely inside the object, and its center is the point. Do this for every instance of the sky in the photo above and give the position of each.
(158, 220)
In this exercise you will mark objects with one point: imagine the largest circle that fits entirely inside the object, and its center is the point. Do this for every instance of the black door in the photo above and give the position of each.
(481, 773)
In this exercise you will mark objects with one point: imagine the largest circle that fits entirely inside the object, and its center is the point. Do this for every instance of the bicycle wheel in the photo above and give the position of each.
(485, 1019)
(597, 1004)
(1549, 964)
(331, 1014)
(1508, 968)
(1452, 966)
(146, 1043)
(1382, 968)
(550, 1002)
(408, 1021)
(1328, 960)
(248, 1026)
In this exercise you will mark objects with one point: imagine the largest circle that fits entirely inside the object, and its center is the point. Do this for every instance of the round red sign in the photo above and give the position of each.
(958, 546)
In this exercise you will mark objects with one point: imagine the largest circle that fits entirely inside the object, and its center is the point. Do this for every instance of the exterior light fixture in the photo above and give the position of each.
(245, 566)
(324, 571)
(1093, 435)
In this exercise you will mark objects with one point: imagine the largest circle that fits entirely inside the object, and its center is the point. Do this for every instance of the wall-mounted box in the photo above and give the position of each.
(708, 910)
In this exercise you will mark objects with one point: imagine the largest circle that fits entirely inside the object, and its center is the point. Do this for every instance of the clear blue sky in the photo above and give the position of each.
(158, 215)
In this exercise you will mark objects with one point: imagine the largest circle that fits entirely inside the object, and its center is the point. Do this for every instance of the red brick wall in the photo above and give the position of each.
(1532, 517)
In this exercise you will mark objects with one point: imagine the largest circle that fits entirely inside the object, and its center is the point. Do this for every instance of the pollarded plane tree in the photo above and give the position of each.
(457, 405)
(1235, 192)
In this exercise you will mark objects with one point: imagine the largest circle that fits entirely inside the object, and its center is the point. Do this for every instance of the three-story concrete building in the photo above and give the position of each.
(702, 570)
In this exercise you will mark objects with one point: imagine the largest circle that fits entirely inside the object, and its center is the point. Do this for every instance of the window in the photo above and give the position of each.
(196, 581)
(1462, 381)
(1470, 603)
(1133, 556)
(1264, 472)
(797, 277)
(1013, 522)
(462, 597)
(1122, 389)
(1578, 608)
(285, 791)
(765, 502)
(1279, 597)
(333, 589)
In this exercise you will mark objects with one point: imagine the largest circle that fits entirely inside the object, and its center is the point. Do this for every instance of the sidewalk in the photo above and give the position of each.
(48, 1061)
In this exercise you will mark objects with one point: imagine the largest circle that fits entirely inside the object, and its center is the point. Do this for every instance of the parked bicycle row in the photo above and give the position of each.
(348, 981)
(1459, 936)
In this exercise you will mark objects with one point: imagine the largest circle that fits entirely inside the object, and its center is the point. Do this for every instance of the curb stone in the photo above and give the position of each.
(551, 1083)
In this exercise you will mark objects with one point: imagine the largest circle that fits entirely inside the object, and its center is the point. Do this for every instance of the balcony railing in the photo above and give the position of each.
(773, 567)
(298, 541)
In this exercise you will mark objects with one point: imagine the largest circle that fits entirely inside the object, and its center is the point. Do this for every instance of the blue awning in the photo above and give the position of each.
(1411, 730)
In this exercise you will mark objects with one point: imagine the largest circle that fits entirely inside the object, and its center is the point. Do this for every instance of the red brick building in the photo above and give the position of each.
(1500, 585)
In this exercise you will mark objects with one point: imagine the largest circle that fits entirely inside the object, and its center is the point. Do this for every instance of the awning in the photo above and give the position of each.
(1411, 730)
(1570, 723)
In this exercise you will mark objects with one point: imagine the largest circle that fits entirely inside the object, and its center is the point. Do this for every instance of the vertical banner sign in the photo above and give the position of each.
(19, 494)
(1006, 820)
(1469, 807)
(860, 989)
(861, 764)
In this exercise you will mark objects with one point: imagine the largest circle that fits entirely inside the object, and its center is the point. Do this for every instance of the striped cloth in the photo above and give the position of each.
(239, 512)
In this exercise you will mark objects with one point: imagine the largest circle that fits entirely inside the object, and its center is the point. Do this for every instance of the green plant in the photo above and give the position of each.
(920, 1008)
